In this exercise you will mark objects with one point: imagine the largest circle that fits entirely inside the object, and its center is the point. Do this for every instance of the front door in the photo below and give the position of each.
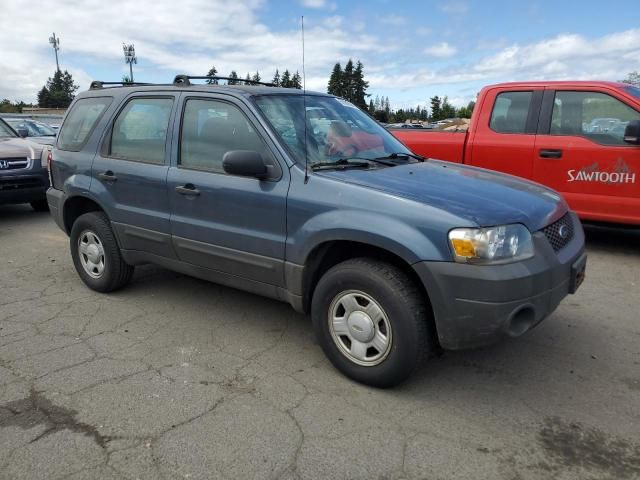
(231, 224)
(505, 131)
(581, 153)
(130, 173)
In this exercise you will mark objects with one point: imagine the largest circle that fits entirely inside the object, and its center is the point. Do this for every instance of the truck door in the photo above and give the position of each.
(504, 136)
(581, 152)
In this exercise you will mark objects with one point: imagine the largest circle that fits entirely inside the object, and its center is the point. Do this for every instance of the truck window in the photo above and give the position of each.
(594, 115)
(80, 121)
(510, 112)
(140, 130)
(211, 128)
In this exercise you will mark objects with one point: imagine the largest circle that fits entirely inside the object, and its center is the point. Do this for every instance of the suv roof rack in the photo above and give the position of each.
(96, 84)
(186, 80)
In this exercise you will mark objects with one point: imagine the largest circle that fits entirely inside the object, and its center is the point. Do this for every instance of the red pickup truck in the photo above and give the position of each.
(579, 138)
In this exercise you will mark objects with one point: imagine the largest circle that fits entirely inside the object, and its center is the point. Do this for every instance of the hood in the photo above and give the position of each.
(19, 147)
(481, 196)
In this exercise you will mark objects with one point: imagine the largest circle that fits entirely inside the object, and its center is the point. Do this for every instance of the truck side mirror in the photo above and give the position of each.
(632, 132)
(245, 163)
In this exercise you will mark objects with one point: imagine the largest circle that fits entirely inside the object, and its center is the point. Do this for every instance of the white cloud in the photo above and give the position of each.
(455, 8)
(319, 4)
(441, 50)
(176, 37)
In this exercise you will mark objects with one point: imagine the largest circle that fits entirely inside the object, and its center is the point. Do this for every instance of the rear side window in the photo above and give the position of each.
(594, 115)
(81, 121)
(140, 130)
(510, 112)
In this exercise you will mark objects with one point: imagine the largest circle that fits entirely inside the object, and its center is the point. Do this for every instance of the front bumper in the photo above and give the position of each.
(477, 305)
(23, 187)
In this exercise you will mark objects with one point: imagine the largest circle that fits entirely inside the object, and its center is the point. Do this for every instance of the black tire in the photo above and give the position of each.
(401, 300)
(116, 273)
(40, 205)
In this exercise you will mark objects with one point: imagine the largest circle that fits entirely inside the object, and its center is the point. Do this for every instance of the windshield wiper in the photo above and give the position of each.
(350, 162)
(395, 155)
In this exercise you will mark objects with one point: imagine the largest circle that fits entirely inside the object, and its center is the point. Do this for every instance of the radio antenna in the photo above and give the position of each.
(304, 107)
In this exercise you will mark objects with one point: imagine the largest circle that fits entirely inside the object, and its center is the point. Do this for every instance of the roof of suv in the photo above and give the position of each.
(241, 90)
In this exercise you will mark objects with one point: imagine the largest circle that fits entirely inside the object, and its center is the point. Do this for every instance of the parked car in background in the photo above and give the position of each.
(579, 138)
(23, 173)
(392, 255)
(38, 132)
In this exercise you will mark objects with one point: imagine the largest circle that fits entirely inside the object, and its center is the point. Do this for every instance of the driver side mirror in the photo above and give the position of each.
(245, 163)
(632, 132)
(23, 132)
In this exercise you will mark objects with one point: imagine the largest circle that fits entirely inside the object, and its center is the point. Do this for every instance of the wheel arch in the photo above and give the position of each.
(75, 206)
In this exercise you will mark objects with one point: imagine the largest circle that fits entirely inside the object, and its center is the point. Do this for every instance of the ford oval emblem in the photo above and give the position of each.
(563, 231)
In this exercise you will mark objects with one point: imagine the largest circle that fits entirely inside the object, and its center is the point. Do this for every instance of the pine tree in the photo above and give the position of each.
(359, 86)
(212, 73)
(296, 81)
(335, 81)
(348, 84)
(448, 110)
(247, 79)
(387, 106)
(286, 79)
(43, 98)
(372, 107)
(256, 77)
(60, 91)
(234, 78)
(276, 78)
(436, 112)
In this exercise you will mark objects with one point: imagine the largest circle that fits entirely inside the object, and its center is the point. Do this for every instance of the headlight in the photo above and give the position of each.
(502, 244)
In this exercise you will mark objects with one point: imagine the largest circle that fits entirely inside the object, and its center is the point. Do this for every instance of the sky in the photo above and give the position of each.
(411, 50)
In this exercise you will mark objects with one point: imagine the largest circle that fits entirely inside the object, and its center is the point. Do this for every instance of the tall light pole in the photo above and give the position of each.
(55, 43)
(130, 58)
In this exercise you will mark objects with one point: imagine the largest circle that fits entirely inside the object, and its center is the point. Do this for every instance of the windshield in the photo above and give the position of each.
(34, 129)
(5, 131)
(635, 91)
(336, 129)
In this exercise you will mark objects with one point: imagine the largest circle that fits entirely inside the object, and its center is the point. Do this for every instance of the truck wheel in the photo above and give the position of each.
(96, 254)
(40, 205)
(372, 321)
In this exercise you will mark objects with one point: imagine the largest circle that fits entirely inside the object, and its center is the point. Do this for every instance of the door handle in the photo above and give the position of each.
(550, 153)
(107, 176)
(188, 189)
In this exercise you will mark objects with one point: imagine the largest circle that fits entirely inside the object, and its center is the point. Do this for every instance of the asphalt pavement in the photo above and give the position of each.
(174, 377)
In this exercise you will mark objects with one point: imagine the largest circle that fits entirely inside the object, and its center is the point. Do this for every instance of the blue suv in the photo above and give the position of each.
(304, 198)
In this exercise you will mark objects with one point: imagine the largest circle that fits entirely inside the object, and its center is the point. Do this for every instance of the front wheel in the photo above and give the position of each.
(96, 254)
(372, 321)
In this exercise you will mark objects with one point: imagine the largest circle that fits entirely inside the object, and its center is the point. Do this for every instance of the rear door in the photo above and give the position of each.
(580, 151)
(130, 173)
(504, 136)
(230, 224)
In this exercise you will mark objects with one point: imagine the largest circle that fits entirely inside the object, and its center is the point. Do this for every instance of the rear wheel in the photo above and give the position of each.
(96, 254)
(40, 205)
(372, 321)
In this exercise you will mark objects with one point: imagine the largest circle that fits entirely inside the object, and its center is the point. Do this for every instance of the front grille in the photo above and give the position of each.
(553, 232)
(19, 182)
(13, 163)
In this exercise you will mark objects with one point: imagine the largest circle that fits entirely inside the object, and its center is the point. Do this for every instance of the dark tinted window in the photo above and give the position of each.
(597, 116)
(140, 131)
(510, 112)
(635, 91)
(212, 128)
(81, 121)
